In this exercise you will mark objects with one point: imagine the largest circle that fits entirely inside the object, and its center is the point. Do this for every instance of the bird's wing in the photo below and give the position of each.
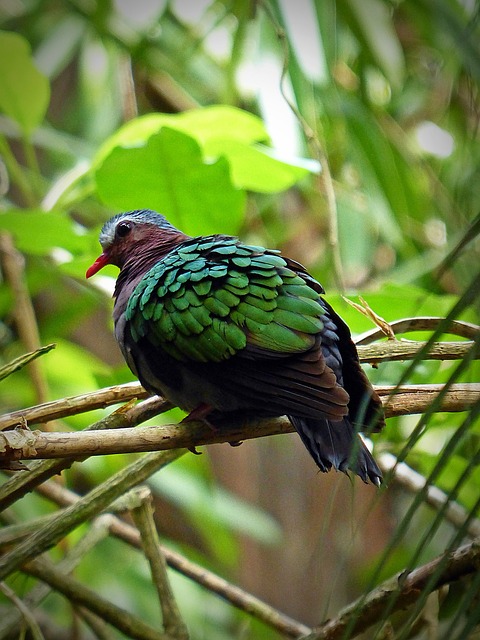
(214, 297)
(253, 318)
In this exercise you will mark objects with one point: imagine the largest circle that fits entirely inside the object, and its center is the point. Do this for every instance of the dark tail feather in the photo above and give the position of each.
(335, 444)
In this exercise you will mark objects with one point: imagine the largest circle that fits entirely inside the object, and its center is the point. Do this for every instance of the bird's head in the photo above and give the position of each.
(131, 235)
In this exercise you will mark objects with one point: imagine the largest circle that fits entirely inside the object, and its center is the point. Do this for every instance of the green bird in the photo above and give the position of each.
(225, 329)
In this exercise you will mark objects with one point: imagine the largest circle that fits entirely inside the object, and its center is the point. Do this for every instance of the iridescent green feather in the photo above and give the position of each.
(211, 297)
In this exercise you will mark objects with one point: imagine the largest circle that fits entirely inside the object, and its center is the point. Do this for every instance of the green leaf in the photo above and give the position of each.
(222, 122)
(255, 169)
(221, 131)
(372, 22)
(169, 175)
(38, 232)
(206, 124)
(24, 91)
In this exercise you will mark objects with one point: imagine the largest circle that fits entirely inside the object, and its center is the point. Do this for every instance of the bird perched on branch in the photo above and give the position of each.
(221, 328)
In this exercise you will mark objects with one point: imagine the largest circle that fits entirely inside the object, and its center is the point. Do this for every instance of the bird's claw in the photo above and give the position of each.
(193, 449)
(235, 443)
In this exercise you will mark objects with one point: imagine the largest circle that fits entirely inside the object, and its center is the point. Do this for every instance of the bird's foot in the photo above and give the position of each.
(199, 413)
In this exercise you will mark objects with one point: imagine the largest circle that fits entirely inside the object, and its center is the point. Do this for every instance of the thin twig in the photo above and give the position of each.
(100, 528)
(365, 612)
(414, 482)
(100, 629)
(231, 593)
(23, 611)
(16, 172)
(422, 323)
(142, 513)
(85, 509)
(14, 270)
(20, 362)
(77, 593)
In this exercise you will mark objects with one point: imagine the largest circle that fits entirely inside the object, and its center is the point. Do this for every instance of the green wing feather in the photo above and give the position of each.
(214, 297)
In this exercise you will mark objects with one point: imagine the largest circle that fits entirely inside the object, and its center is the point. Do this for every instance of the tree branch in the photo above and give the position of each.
(403, 590)
(77, 593)
(74, 405)
(141, 507)
(233, 594)
(368, 353)
(23, 444)
(41, 470)
(390, 351)
(98, 531)
(414, 482)
(85, 509)
(421, 323)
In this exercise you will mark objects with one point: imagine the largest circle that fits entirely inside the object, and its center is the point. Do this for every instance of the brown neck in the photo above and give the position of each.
(139, 262)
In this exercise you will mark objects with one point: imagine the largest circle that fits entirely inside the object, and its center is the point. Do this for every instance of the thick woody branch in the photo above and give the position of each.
(407, 349)
(368, 353)
(403, 590)
(74, 405)
(23, 444)
(76, 592)
(233, 594)
(128, 415)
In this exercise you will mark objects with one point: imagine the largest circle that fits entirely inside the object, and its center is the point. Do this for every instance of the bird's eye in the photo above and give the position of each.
(123, 229)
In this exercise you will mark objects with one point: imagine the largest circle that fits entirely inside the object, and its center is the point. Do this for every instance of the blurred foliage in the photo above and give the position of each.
(244, 118)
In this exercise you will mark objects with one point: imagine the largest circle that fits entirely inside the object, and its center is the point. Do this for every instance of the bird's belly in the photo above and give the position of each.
(181, 384)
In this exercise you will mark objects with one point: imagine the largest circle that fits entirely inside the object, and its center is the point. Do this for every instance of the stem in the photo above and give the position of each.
(14, 269)
(86, 508)
(34, 167)
(16, 172)
(142, 513)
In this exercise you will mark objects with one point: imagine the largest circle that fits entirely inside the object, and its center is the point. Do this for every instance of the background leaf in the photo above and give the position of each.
(168, 174)
(24, 91)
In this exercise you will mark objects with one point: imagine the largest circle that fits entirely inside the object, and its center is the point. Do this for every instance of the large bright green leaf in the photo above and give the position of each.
(24, 91)
(253, 168)
(209, 123)
(169, 175)
(221, 131)
(38, 232)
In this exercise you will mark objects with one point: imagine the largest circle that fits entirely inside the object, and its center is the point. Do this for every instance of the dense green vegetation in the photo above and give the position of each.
(346, 135)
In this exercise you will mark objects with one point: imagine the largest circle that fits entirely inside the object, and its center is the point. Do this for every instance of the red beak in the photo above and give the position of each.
(99, 263)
